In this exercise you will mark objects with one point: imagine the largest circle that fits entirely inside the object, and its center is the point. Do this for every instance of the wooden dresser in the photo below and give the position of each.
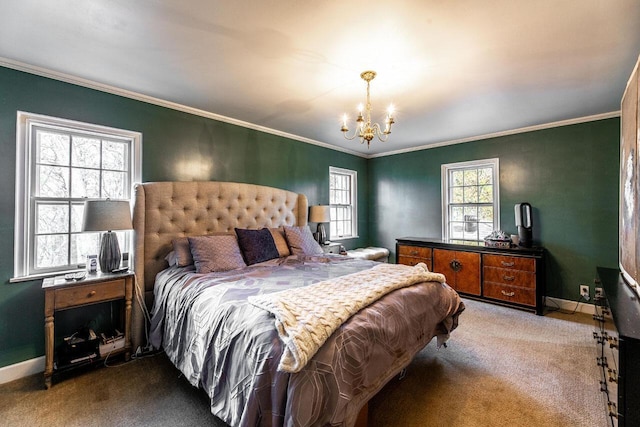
(619, 350)
(513, 277)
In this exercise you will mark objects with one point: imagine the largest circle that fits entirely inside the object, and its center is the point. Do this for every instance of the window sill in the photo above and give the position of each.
(339, 239)
(33, 277)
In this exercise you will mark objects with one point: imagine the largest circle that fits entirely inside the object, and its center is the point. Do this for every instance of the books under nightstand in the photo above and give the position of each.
(86, 346)
(110, 343)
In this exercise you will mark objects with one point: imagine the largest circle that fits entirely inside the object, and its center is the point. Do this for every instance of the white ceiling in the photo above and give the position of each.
(453, 69)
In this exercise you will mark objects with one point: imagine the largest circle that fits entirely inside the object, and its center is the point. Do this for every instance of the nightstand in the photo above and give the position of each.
(331, 248)
(61, 294)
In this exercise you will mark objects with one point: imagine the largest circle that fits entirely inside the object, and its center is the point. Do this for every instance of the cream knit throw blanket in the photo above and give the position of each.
(305, 317)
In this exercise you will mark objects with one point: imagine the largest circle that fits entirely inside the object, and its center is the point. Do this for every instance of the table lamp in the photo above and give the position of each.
(320, 214)
(107, 215)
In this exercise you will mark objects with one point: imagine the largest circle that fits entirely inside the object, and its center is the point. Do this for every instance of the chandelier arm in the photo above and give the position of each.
(356, 133)
(382, 136)
(349, 138)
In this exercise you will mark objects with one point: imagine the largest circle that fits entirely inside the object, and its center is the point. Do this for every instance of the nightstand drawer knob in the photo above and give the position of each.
(509, 278)
(91, 294)
(507, 264)
(508, 294)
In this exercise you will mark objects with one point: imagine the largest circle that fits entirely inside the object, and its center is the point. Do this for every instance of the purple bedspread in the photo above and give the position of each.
(231, 349)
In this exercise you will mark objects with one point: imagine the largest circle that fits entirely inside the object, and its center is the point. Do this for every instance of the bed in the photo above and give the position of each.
(217, 328)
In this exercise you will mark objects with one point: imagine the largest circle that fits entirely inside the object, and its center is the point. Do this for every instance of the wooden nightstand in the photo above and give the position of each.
(331, 248)
(61, 294)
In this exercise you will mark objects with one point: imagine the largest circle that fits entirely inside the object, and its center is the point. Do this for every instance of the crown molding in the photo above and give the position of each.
(551, 125)
(78, 81)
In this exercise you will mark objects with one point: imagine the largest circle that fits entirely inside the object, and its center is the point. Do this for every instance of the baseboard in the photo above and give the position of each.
(21, 369)
(568, 305)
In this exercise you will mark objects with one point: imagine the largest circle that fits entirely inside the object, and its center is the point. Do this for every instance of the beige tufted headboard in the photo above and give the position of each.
(166, 210)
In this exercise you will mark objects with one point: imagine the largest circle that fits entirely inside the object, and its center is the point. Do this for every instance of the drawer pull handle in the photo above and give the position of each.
(455, 265)
(508, 294)
(507, 264)
(414, 252)
(509, 278)
(91, 294)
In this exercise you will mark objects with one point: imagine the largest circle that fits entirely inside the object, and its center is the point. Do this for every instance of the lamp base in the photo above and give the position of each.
(109, 257)
(322, 234)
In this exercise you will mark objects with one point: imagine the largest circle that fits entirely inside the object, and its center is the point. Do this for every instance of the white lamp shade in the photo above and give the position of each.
(106, 215)
(319, 213)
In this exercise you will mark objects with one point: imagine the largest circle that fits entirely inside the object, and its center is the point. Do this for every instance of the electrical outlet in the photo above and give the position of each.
(584, 292)
(599, 293)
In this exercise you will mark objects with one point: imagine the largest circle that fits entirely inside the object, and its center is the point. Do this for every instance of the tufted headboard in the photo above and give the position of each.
(166, 210)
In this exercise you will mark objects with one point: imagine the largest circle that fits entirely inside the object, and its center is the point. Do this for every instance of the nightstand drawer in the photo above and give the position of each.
(89, 294)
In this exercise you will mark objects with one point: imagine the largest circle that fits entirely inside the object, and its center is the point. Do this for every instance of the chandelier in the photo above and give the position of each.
(365, 130)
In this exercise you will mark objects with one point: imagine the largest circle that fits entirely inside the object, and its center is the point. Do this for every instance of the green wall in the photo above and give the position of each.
(568, 174)
(176, 146)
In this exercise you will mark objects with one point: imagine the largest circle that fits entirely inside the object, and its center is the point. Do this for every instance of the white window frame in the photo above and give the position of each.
(25, 178)
(353, 175)
(474, 164)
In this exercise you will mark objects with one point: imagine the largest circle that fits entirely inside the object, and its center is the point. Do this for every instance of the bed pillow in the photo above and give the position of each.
(216, 253)
(181, 252)
(301, 241)
(256, 245)
(280, 241)
(171, 258)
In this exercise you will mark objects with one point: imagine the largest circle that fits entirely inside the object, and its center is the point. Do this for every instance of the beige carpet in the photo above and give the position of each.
(503, 367)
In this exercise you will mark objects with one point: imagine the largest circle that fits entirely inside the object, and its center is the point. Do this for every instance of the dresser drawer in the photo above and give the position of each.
(514, 294)
(505, 276)
(510, 262)
(414, 251)
(408, 260)
(89, 294)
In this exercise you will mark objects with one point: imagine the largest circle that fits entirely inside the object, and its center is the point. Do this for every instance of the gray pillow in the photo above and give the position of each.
(182, 250)
(301, 241)
(216, 253)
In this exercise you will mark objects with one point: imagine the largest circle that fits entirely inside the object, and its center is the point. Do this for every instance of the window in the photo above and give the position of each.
(343, 200)
(470, 200)
(60, 164)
